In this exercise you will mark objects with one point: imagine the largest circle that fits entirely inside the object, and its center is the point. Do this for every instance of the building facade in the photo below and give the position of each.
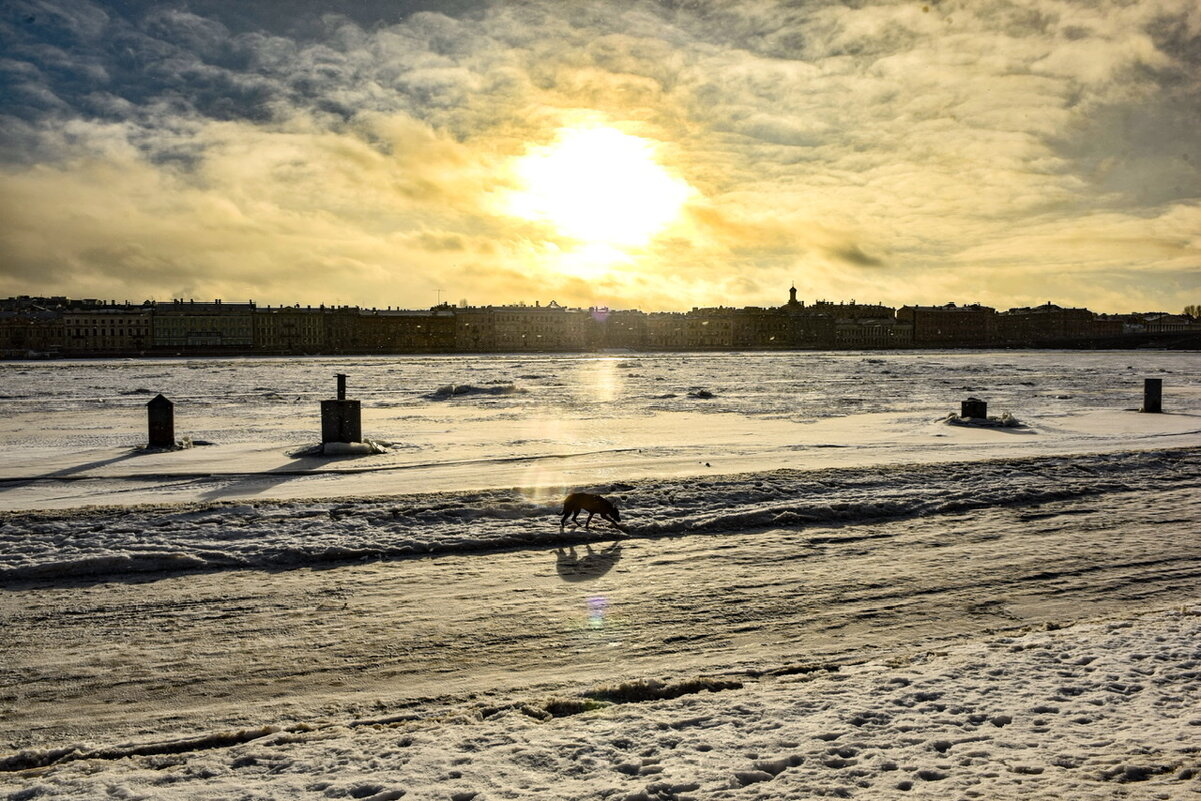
(289, 330)
(1045, 324)
(107, 330)
(951, 326)
(182, 327)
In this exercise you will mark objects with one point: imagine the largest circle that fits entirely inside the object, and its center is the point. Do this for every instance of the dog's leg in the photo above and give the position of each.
(588, 522)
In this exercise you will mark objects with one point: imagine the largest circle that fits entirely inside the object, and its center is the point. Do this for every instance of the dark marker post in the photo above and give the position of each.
(1152, 395)
(161, 415)
(973, 408)
(341, 419)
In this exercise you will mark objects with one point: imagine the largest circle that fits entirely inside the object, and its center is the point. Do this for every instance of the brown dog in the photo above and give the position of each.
(578, 502)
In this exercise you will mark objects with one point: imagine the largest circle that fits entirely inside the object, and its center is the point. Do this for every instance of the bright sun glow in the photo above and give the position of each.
(599, 186)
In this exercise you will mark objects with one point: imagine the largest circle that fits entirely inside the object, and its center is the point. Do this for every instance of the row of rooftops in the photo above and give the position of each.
(61, 304)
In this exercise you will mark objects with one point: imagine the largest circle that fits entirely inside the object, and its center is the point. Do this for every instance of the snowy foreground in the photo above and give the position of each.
(1097, 711)
(823, 587)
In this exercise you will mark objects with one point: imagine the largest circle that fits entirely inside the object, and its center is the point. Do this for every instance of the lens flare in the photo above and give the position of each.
(596, 612)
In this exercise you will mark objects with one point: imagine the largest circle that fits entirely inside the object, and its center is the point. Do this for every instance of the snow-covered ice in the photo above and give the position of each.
(573, 421)
(1097, 711)
(828, 586)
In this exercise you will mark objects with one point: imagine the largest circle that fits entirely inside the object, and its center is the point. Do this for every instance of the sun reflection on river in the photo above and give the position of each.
(603, 380)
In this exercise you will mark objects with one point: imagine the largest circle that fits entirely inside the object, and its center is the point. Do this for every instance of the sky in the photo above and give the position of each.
(640, 154)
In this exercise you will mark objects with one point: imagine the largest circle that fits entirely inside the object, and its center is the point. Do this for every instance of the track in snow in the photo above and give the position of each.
(182, 653)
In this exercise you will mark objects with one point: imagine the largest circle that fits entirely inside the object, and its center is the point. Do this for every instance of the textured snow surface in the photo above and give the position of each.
(275, 534)
(1095, 711)
(823, 585)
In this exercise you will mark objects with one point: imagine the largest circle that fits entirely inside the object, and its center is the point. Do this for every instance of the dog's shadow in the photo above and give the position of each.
(593, 564)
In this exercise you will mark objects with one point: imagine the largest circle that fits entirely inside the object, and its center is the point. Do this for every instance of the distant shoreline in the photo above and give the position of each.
(1166, 341)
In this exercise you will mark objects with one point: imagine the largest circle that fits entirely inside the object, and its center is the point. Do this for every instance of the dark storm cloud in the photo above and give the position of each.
(854, 255)
(225, 61)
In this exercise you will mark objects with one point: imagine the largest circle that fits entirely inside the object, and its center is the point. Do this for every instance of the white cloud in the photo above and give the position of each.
(885, 147)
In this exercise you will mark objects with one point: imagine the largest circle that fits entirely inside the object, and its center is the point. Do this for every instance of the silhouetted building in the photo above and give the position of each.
(666, 331)
(59, 325)
(872, 333)
(951, 326)
(289, 329)
(624, 329)
(853, 310)
(519, 328)
(806, 327)
(183, 326)
(709, 329)
(30, 332)
(106, 329)
(404, 331)
(1164, 323)
(759, 328)
(1046, 323)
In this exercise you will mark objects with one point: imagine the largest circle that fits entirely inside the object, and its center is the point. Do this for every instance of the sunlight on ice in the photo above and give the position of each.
(604, 382)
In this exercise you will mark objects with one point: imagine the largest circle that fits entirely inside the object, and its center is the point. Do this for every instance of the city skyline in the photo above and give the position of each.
(59, 326)
(664, 155)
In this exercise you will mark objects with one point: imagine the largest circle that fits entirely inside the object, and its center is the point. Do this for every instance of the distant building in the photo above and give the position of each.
(28, 332)
(183, 326)
(405, 331)
(853, 310)
(106, 329)
(1164, 323)
(1108, 326)
(759, 328)
(806, 327)
(47, 326)
(1123, 324)
(492, 329)
(872, 333)
(666, 331)
(951, 326)
(709, 329)
(863, 326)
(289, 329)
(624, 329)
(1045, 323)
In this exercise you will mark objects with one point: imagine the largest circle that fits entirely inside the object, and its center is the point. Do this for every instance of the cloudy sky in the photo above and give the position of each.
(653, 154)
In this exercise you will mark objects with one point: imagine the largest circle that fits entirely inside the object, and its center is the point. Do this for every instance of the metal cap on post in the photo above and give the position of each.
(160, 413)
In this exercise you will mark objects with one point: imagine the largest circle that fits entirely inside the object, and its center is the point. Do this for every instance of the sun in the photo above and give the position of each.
(598, 186)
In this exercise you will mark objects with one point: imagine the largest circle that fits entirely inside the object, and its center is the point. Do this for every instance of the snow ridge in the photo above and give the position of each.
(103, 541)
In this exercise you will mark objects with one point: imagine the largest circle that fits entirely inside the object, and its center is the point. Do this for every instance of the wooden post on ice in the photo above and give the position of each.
(161, 417)
(1152, 395)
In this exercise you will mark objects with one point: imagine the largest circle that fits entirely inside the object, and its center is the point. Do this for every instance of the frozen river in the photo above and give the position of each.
(787, 515)
(554, 422)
